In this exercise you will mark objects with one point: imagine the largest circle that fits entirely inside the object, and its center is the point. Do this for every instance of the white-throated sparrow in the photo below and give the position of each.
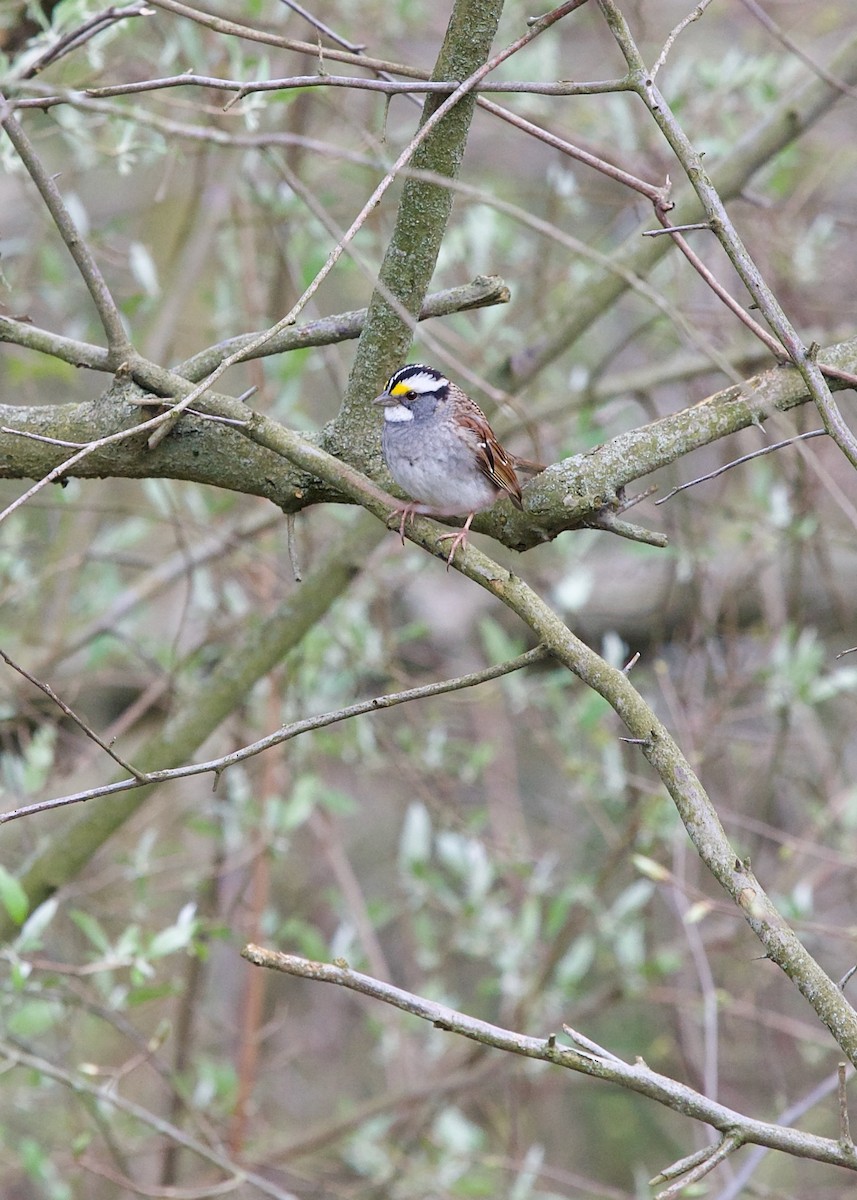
(439, 447)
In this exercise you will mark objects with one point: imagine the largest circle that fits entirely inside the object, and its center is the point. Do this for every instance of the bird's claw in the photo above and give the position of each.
(459, 538)
(404, 515)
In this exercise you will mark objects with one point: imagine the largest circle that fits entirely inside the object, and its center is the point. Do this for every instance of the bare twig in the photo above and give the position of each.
(322, 28)
(385, 87)
(117, 340)
(791, 45)
(607, 520)
(40, 437)
(677, 229)
(72, 715)
(737, 462)
(714, 1155)
(719, 290)
(84, 32)
(235, 29)
(722, 225)
(79, 1085)
(680, 1166)
(692, 16)
(591, 1059)
(285, 734)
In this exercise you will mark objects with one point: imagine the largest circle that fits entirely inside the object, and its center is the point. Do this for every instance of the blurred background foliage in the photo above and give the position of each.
(498, 849)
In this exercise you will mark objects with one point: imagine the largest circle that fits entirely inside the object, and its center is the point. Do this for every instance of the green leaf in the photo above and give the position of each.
(13, 897)
(91, 928)
(34, 1018)
(175, 937)
(30, 937)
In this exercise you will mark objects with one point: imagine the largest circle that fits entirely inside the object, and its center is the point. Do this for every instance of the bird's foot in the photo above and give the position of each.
(403, 515)
(459, 538)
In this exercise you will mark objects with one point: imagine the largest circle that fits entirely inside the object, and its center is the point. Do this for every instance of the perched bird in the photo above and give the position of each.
(439, 447)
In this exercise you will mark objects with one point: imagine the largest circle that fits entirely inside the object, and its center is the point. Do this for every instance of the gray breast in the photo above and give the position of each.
(435, 467)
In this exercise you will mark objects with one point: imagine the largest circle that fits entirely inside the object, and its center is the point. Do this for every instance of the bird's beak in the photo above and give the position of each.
(385, 398)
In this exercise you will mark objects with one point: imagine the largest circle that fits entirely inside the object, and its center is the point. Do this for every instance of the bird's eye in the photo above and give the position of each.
(412, 395)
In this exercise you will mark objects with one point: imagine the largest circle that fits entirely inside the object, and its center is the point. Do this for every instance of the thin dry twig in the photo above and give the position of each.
(714, 1155)
(719, 290)
(386, 87)
(692, 16)
(320, 27)
(286, 733)
(677, 229)
(791, 45)
(85, 32)
(737, 462)
(73, 716)
(235, 29)
(591, 1059)
(111, 320)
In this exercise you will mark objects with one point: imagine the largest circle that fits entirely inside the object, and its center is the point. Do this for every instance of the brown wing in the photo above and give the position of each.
(493, 459)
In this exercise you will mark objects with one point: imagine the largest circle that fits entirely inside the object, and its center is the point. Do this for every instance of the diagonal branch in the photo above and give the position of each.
(109, 1098)
(117, 340)
(592, 1061)
(48, 691)
(726, 233)
(285, 733)
(798, 111)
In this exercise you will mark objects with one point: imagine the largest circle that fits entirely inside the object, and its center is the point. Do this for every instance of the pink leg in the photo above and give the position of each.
(458, 539)
(407, 514)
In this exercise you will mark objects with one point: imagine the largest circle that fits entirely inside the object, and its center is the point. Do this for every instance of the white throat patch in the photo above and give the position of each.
(398, 412)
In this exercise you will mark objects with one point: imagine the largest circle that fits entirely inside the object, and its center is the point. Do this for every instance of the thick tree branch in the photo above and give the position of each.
(294, 471)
